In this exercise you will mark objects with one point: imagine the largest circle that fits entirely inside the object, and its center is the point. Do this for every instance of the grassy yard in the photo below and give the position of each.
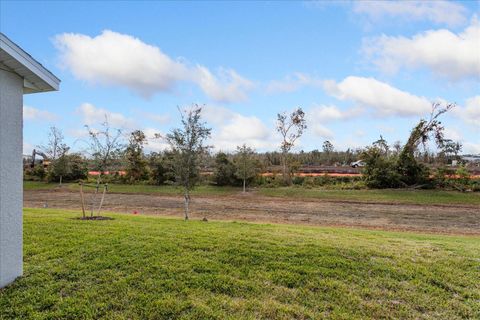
(139, 267)
(396, 196)
(385, 195)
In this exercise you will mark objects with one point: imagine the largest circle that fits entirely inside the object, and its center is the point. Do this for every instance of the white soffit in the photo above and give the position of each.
(36, 77)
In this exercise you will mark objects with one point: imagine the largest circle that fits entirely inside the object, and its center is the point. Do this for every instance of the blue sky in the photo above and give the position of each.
(358, 69)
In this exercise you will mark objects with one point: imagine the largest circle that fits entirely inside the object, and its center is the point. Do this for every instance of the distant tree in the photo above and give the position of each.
(71, 166)
(59, 168)
(246, 165)
(382, 145)
(56, 150)
(188, 144)
(78, 167)
(290, 127)
(451, 149)
(224, 174)
(159, 166)
(327, 146)
(136, 164)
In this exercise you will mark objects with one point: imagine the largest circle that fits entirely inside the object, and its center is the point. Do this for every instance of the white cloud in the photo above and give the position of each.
(93, 115)
(217, 115)
(158, 118)
(322, 131)
(452, 134)
(30, 113)
(117, 59)
(232, 129)
(470, 113)
(155, 143)
(440, 12)
(292, 83)
(319, 116)
(229, 86)
(385, 99)
(471, 148)
(454, 56)
(328, 113)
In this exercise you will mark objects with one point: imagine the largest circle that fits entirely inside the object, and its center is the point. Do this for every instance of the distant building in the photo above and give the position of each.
(19, 74)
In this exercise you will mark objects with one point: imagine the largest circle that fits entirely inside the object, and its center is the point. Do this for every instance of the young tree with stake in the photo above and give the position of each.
(188, 144)
(105, 145)
(291, 128)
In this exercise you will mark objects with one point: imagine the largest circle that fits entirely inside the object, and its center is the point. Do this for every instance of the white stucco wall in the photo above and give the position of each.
(11, 187)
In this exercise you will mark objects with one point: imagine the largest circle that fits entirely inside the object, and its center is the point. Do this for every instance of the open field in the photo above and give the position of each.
(382, 209)
(378, 196)
(143, 267)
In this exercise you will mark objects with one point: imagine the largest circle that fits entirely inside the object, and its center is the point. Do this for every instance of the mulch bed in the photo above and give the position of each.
(94, 218)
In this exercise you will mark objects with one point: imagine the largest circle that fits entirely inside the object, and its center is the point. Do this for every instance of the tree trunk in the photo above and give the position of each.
(286, 176)
(244, 185)
(83, 200)
(187, 202)
(94, 198)
(60, 181)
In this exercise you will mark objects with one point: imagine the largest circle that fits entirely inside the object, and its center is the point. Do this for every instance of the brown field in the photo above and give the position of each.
(451, 219)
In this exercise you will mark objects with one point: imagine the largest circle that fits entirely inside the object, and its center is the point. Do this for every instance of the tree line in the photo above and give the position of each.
(189, 159)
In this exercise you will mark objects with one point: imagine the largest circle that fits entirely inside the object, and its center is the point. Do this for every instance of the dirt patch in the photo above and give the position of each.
(94, 218)
(454, 219)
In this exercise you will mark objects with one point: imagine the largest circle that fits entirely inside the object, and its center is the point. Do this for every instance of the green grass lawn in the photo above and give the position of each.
(384, 195)
(140, 267)
(396, 196)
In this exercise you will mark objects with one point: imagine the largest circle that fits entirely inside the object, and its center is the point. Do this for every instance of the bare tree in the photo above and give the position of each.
(291, 128)
(187, 143)
(105, 144)
(55, 150)
(246, 165)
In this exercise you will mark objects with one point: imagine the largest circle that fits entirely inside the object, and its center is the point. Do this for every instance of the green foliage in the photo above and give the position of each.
(224, 174)
(380, 171)
(136, 168)
(38, 171)
(188, 144)
(246, 165)
(160, 168)
(70, 167)
(411, 171)
(143, 267)
(463, 181)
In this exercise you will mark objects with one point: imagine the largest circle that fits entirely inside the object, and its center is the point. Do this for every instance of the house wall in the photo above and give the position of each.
(11, 187)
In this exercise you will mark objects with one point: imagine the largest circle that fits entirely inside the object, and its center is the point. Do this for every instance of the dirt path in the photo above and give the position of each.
(456, 219)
